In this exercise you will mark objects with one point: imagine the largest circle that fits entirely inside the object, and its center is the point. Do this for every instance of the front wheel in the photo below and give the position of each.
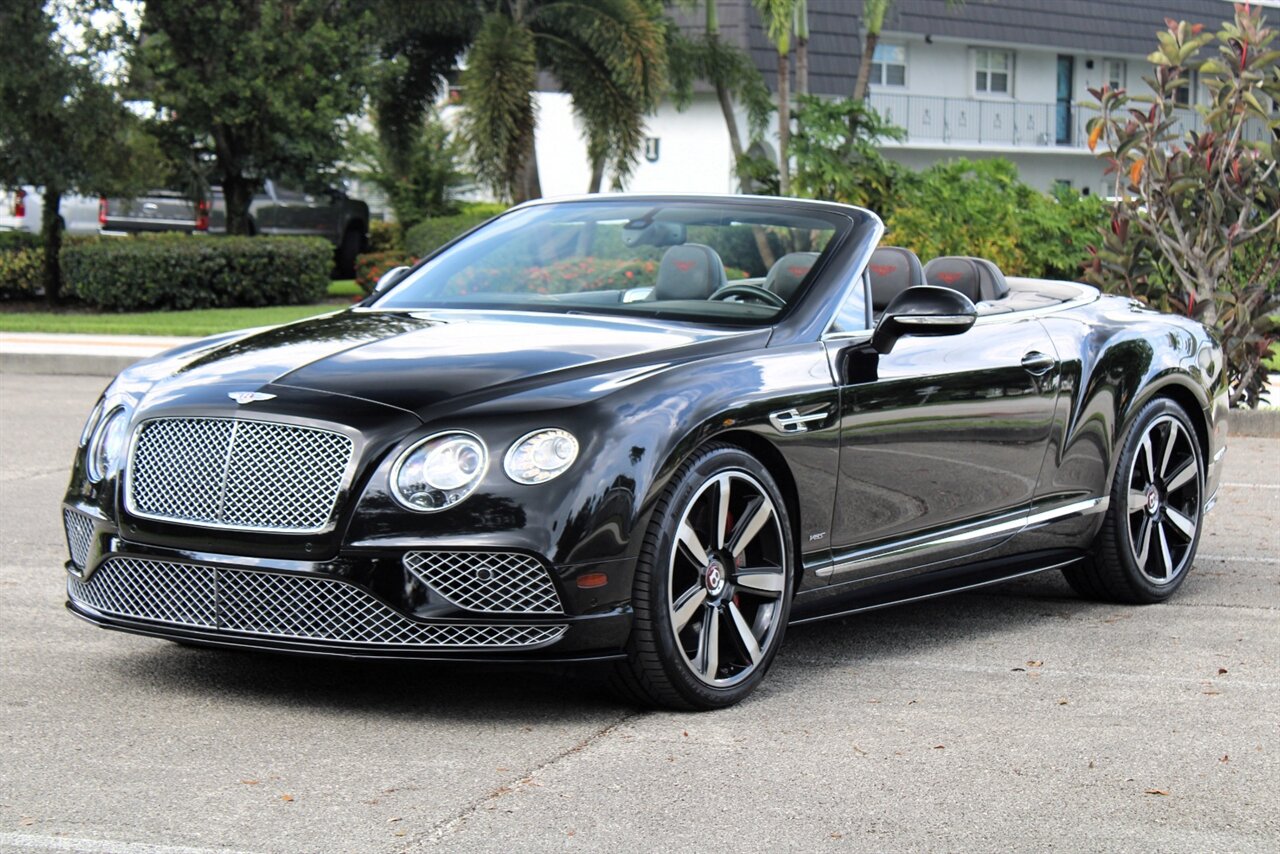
(1152, 527)
(713, 585)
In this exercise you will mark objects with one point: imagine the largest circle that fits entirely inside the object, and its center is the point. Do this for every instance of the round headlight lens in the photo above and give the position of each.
(439, 471)
(541, 455)
(106, 448)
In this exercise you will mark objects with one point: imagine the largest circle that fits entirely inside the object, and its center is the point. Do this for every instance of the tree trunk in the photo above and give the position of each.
(528, 184)
(784, 123)
(802, 65)
(597, 175)
(237, 195)
(51, 234)
(864, 67)
(735, 138)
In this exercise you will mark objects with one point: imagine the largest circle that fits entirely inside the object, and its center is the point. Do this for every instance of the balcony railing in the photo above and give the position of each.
(973, 122)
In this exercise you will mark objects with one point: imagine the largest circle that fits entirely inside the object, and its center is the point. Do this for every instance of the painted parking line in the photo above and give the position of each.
(1253, 485)
(1240, 559)
(36, 842)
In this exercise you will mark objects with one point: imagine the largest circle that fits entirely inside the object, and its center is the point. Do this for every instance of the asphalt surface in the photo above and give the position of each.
(1019, 718)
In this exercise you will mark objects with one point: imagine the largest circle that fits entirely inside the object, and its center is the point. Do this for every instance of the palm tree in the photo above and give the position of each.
(731, 73)
(779, 19)
(608, 55)
(873, 14)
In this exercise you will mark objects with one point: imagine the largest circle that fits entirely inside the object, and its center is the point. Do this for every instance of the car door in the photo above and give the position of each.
(942, 442)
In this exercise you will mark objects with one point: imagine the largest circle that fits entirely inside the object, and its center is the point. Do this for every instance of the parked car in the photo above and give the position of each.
(21, 208)
(277, 210)
(648, 430)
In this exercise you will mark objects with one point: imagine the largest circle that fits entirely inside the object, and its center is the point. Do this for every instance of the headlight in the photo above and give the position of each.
(439, 471)
(90, 424)
(106, 448)
(540, 456)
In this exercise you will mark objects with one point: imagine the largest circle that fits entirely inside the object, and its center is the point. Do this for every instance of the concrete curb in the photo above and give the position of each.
(79, 364)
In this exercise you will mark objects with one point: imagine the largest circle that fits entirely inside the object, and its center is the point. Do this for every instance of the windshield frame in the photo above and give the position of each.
(723, 211)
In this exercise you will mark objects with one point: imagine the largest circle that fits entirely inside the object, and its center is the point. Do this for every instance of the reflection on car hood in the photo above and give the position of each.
(417, 360)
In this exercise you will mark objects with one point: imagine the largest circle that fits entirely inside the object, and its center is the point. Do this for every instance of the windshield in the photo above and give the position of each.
(732, 263)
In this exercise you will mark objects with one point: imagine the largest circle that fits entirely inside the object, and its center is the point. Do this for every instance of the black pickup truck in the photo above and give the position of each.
(277, 210)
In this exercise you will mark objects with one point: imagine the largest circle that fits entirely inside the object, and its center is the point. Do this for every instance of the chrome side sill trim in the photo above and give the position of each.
(893, 551)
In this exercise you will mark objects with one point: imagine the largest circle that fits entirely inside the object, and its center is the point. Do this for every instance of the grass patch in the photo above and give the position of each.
(207, 321)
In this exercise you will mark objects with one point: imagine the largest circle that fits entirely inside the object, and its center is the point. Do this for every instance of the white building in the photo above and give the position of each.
(988, 78)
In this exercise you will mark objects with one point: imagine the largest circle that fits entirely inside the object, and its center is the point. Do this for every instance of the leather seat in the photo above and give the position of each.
(689, 271)
(892, 270)
(788, 272)
(976, 278)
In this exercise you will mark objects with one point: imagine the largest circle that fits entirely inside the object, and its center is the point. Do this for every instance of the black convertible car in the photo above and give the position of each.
(651, 430)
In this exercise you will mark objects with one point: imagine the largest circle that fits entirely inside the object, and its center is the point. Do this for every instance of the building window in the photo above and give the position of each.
(889, 65)
(1185, 95)
(1115, 71)
(993, 72)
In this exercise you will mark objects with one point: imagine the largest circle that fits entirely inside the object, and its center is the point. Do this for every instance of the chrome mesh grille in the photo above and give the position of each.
(233, 473)
(491, 582)
(283, 606)
(79, 529)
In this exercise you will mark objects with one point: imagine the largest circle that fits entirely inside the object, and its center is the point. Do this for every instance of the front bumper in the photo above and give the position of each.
(362, 604)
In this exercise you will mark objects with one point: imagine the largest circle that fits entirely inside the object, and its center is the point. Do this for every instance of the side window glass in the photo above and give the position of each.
(852, 314)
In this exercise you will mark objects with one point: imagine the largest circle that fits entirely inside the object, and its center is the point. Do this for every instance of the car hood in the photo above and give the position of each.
(423, 360)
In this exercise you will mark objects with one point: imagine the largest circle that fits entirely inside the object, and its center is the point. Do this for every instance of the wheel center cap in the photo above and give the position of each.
(1153, 499)
(714, 577)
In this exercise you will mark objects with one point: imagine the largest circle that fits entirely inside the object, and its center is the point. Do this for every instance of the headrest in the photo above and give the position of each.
(689, 271)
(892, 270)
(976, 278)
(788, 272)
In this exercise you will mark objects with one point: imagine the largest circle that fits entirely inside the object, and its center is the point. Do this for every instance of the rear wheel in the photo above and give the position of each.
(1148, 540)
(713, 585)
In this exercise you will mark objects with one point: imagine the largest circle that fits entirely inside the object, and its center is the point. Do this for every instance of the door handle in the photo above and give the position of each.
(1037, 363)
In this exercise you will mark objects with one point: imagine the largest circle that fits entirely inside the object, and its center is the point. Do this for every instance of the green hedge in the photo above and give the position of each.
(15, 241)
(429, 235)
(21, 273)
(184, 272)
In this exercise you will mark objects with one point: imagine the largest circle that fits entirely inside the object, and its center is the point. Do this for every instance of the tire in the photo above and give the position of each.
(710, 643)
(344, 258)
(1152, 527)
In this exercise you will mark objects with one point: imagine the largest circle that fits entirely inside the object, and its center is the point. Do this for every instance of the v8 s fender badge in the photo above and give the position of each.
(243, 397)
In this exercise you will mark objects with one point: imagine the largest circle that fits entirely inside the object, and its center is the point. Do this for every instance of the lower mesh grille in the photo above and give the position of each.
(79, 535)
(276, 605)
(490, 582)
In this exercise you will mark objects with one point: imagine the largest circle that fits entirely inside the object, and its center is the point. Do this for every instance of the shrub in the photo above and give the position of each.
(184, 272)
(371, 265)
(429, 235)
(981, 208)
(385, 236)
(13, 241)
(21, 273)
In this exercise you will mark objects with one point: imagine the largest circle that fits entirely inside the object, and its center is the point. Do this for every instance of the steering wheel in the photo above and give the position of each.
(751, 292)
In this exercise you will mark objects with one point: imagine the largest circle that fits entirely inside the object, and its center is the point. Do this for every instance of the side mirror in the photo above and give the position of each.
(389, 278)
(923, 310)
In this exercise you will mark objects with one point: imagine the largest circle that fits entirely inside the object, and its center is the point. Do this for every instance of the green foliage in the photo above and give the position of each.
(836, 154)
(428, 236)
(61, 128)
(421, 181)
(385, 236)
(21, 272)
(981, 208)
(262, 85)
(609, 55)
(704, 56)
(371, 265)
(1195, 228)
(13, 241)
(184, 272)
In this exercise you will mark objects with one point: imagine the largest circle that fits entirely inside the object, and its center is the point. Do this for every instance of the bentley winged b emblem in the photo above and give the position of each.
(243, 397)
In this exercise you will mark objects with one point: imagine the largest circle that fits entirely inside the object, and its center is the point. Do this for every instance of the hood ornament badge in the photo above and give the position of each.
(243, 397)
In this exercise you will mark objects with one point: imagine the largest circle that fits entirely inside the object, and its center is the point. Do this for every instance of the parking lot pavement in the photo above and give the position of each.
(1016, 718)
